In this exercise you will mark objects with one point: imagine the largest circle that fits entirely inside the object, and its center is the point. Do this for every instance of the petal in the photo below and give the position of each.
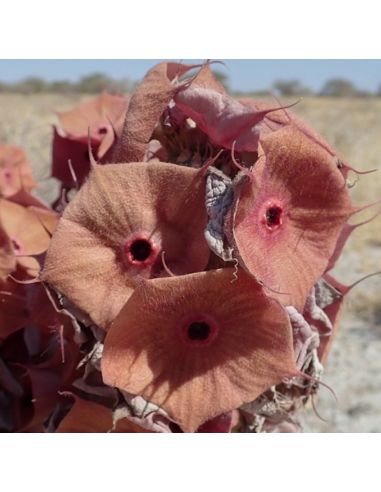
(7, 257)
(146, 106)
(94, 113)
(221, 117)
(27, 227)
(87, 416)
(76, 150)
(205, 78)
(287, 218)
(150, 351)
(15, 171)
(283, 117)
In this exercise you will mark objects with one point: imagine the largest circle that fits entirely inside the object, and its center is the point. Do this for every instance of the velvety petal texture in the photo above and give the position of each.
(224, 119)
(199, 345)
(118, 226)
(288, 215)
(147, 104)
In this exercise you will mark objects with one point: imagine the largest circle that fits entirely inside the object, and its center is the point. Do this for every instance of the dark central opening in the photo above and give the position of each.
(199, 330)
(273, 215)
(102, 130)
(140, 250)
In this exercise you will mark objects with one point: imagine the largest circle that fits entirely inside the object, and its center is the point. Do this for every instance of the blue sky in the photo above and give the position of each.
(243, 74)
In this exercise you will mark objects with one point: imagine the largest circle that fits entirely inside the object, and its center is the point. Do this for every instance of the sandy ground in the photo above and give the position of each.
(354, 128)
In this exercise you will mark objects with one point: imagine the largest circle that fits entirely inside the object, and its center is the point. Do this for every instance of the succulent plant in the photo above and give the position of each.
(187, 285)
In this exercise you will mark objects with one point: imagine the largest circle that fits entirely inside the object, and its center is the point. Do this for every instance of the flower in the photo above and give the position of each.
(117, 228)
(28, 231)
(288, 214)
(198, 345)
(95, 122)
(15, 171)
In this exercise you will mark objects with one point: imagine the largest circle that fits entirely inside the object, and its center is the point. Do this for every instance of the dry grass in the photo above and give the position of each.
(353, 127)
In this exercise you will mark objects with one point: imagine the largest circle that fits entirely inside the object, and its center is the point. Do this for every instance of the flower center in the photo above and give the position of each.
(272, 215)
(140, 250)
(199, 331)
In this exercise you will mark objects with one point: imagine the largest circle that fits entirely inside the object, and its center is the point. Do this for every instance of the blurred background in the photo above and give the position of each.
(341, 99)
(324, 78)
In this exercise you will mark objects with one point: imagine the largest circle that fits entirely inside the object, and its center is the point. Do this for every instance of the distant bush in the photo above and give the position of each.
(91, 84)
(340, 88)
(291, 88)
(94, 83)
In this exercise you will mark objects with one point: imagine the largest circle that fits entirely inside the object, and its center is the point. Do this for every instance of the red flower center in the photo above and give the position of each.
(199, 331)
(272, 215)
(140, 251)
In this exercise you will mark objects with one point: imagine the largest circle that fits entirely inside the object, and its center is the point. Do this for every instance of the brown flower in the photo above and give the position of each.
(288, 215)
(15, 171)
(99, 119)
(117, 227)
(199, 345)
(27, 230)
